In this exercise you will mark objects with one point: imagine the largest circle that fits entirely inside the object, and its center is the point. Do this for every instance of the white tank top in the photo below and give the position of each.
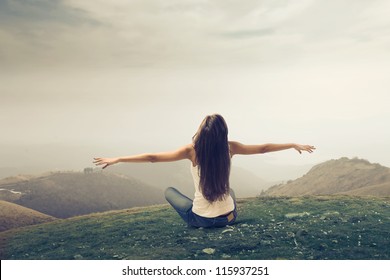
(202, 207)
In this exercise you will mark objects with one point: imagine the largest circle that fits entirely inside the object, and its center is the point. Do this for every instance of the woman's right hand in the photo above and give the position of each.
(105, 161)
(307, 148)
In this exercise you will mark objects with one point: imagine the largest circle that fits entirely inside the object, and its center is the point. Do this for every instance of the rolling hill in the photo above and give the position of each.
(68, 194)
(307, 228)
(14, 216)
(342, 176)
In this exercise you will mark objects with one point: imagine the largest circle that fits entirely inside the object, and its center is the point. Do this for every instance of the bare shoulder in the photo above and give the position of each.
(234, 147)
(190, 152)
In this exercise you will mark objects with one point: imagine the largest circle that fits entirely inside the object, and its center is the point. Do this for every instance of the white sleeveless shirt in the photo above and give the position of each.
(202, 207)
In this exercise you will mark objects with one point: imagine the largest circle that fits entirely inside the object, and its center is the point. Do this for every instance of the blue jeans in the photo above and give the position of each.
(183, 206)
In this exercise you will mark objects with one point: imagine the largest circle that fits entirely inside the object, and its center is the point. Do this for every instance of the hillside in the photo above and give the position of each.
(177, 174)
(267, 228)
(342, 176)
(14, 216)
(69, 194)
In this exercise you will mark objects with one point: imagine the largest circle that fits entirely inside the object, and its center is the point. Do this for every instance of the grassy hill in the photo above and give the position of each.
(329, 227)
(14, 216)
(68, 194)
(342, 176)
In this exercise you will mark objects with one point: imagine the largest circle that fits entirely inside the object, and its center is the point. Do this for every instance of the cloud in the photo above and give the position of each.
(40, 33)
(192, 33)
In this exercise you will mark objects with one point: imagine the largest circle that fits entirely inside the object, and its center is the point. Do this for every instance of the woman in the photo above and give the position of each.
(210, 154)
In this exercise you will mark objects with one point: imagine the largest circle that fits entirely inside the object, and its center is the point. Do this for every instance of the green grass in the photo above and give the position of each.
(267, 228)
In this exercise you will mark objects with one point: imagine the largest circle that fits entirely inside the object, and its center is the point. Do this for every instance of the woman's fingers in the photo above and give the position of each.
(306, 148)
(99, 161)
(309, 148)
(104, 161)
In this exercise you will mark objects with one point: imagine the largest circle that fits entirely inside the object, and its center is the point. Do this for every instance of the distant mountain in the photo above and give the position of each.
(159, 175)
(342, 176)
(177, 174)
(14, 216)
(245, 183)
(69, 194)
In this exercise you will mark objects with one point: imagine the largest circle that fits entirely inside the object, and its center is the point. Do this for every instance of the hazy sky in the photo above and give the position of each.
(105, 78)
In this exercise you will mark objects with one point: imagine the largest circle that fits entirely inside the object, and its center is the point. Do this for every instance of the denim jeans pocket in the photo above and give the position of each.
(199, 221)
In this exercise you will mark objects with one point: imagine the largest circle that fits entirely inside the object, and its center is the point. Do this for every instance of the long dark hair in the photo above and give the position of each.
(213, 157)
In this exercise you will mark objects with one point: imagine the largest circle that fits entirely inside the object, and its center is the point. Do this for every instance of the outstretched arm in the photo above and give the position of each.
(242, 149)
(179, 154)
